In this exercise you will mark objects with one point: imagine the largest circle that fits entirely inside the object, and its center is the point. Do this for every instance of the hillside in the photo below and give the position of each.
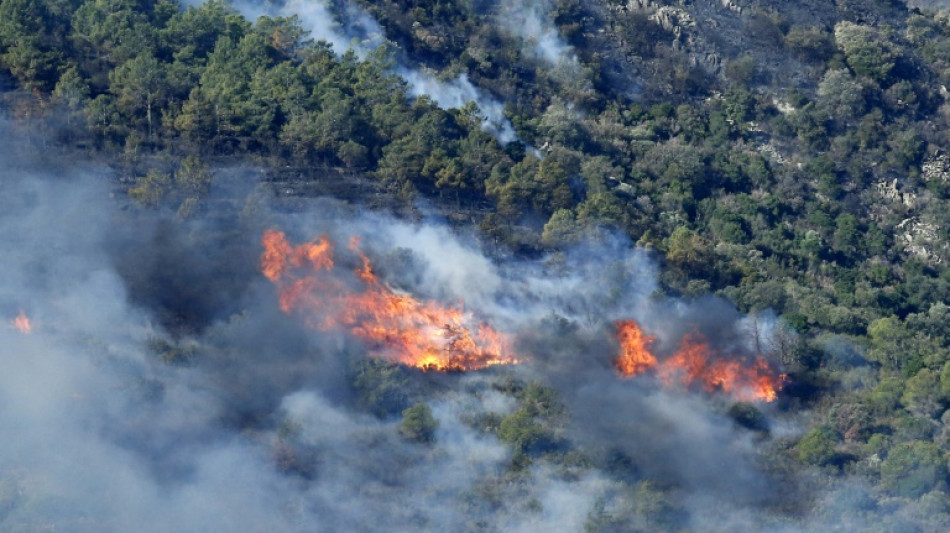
(759, 183)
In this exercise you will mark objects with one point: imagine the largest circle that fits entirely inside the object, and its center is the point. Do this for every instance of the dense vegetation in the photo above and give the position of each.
(803, 169)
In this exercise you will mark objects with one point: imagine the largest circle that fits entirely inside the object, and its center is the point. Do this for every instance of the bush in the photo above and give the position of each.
(817, 447)
(418, 424)
(913, 468)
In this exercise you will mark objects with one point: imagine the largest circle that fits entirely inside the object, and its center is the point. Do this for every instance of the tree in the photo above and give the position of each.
(418, 424)
(913, 469)
(749, 416)
(687, 251)
(382, 387)
(891, 344)
(111, 32)
(71, 92)
(841, 96)
(520, 430)
(923, 395)
(151, 189)
(192, 178)
(867, 51)
(31, 44)
(847, 236)
(810, 43)
(139, 85)
(817, 447)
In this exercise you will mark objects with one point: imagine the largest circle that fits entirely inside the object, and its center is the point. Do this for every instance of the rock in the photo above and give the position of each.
(730, 5)
(918, 239)
(889, 191)
(937, 167)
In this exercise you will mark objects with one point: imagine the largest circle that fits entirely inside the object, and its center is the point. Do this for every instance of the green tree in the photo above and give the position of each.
(847, 236)
(31, 42)
(418, 424)
(817, 447)
(891, 344)
(71, 92)
(867, 51)
(913, 469)
(687, 251)
(107, 33)
(140, 85)
(923, 395)
(521, 431)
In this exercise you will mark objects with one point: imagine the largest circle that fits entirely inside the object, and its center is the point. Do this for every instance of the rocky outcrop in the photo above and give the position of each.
(937, 168)
(889, 191)
(920, 239)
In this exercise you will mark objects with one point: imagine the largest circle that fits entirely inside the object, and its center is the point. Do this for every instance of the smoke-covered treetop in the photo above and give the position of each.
(682, 193)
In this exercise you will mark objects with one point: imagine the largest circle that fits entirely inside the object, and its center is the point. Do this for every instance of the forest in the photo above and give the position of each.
(767, 176)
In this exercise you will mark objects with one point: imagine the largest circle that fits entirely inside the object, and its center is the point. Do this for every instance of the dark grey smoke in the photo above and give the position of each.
(163, 390)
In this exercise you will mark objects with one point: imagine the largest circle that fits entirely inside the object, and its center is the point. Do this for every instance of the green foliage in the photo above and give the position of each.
(810, 43)
(561, 229)
(748, 416)
(913, 469)
(151, 189)
(687, 251)
(769, 196)
(817, 447)
(382, 388)
(418, 424)
(528, 429)
(522, 432)
(867, 51)
(923, 394)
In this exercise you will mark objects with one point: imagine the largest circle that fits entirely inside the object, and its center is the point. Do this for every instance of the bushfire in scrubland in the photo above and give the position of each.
(432, 336)
(22, 323)
(694, 364)
(398, 327)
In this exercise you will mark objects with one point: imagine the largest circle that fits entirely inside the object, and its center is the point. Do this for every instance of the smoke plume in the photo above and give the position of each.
(531, 21)
(351, 28)
(162, 388)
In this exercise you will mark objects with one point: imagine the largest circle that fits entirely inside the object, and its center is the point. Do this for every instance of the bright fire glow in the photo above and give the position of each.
(22, 323)
(694, 364)
(396, 326)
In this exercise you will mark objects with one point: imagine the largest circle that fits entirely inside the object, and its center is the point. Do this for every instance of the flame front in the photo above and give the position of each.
(635, 358)
(397, 326)
(693, 364)
(22, 323)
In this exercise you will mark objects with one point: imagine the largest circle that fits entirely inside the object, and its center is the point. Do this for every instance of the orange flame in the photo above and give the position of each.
(693, 365)
(22, 323)
(634, 358)
(397, 326)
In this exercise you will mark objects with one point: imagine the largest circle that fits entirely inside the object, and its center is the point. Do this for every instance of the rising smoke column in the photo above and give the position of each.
(531, 21)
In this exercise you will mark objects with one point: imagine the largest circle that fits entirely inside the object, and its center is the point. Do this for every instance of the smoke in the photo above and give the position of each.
(456, 94)
(162, 389)
(349, 27)
(531, 21)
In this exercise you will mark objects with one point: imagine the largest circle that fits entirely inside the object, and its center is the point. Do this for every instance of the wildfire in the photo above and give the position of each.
(397, 326)
(22, 323)
(693, 364)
